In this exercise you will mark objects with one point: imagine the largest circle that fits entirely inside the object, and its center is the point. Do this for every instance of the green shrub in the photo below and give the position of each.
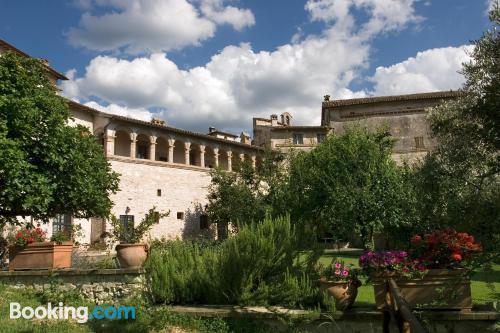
(258, 266)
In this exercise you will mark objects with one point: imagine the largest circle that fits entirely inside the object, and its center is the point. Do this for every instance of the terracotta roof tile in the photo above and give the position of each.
(380, 99)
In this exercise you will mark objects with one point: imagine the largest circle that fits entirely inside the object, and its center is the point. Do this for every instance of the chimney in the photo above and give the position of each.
(274, 120)
(211, 129)
(44, 61)
(245, 138)
(159, 122)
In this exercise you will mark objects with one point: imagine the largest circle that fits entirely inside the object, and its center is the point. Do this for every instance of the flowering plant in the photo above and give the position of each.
(26, 236)
(444, 248)
(387, 262)
(340, 272)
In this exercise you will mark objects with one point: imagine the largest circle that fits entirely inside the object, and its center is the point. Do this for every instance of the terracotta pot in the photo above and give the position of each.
(444, 289)
(131, 255)
(344, 292)
(41, 255)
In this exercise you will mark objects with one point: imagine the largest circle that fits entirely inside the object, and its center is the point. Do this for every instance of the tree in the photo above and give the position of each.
(460, 179)
(46, 166)
(247, 194)
(350, 184)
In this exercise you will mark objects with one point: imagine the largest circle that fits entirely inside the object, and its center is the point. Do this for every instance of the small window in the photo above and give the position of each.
(320, 137)
(127, 220)
(298, 138)
(180, 215)
(204, 222)
(62, 223)
(158, 192)
(419, 142)
(157, 217)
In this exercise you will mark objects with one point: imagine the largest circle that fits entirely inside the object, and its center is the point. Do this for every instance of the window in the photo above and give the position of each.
(320, 137)
(419, 142)
(157, 217)
(180, 215)
(298, 138)
(127, 221)
(204, 222)
(158, 192)
(62, 224)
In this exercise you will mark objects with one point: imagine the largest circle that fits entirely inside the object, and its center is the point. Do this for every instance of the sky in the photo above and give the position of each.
(201, 63)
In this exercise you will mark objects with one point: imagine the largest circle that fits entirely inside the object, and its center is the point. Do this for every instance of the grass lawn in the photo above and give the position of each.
(485, 285)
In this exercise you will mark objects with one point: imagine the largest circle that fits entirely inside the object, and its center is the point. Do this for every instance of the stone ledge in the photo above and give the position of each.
(72, 272)
(157, 163)
(354, 314)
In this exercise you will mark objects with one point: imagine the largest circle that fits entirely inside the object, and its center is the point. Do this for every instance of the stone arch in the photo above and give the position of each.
(142, 145)
(223, 158)
(210, 156)
(161, 153)
(122, 143)
(194, 154)
(179, 152)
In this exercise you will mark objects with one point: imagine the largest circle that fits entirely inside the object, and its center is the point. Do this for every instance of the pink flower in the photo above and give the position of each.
(338, 265)
(337, 272)
(345, 273)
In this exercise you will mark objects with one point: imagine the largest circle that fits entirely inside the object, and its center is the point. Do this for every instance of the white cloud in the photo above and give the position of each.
(385, 15)
(140, 113)
(430, 70)
(238, 83)
(138, 26)
(220, 14)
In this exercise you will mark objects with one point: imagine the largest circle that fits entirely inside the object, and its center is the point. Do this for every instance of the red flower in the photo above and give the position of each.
(456, 257)
(416, 239)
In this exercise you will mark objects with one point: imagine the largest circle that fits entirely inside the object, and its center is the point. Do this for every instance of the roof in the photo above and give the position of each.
(23, 54)
(223, 133)
(282, 128)
(393, 98)
(86, 108)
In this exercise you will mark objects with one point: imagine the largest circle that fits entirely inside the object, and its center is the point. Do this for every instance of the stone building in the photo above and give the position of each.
(159, 166)
(168, 168)
(404, 116)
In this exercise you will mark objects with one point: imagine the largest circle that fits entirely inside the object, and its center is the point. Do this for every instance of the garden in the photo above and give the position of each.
(430, 228)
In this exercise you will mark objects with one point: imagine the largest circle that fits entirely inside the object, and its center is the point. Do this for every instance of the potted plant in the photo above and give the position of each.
(29, 249)
(433, 274)
(340, 282)
(131, 251)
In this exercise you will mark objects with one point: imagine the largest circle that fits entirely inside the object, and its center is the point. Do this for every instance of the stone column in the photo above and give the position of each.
(187, 149)
(109, 142)
(216, 157)
(254, 161)
(133, 142)
(229, 161)
(202, 156)
(242, 157)
(171, 143)
(152, 147)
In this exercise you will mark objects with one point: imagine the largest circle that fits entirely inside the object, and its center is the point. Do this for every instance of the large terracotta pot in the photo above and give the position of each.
(40, 255)
(344, 292)
(131, 255)
(444, 289)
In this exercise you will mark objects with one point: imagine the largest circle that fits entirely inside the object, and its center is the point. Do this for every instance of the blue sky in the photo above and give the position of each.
(221, 62)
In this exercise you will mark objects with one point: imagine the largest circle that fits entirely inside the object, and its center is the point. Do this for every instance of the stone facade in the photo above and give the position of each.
(159, 166)
(404, 116)
(168, 168)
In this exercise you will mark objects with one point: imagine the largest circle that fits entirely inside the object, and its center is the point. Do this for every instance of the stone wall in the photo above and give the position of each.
(96, 285)
(183, 190)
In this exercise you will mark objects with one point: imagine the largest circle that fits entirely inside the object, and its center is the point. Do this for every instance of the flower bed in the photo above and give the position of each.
(434, 273)
(29, 250)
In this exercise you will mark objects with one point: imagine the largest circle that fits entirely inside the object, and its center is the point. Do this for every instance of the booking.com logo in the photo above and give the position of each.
(80, 314)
